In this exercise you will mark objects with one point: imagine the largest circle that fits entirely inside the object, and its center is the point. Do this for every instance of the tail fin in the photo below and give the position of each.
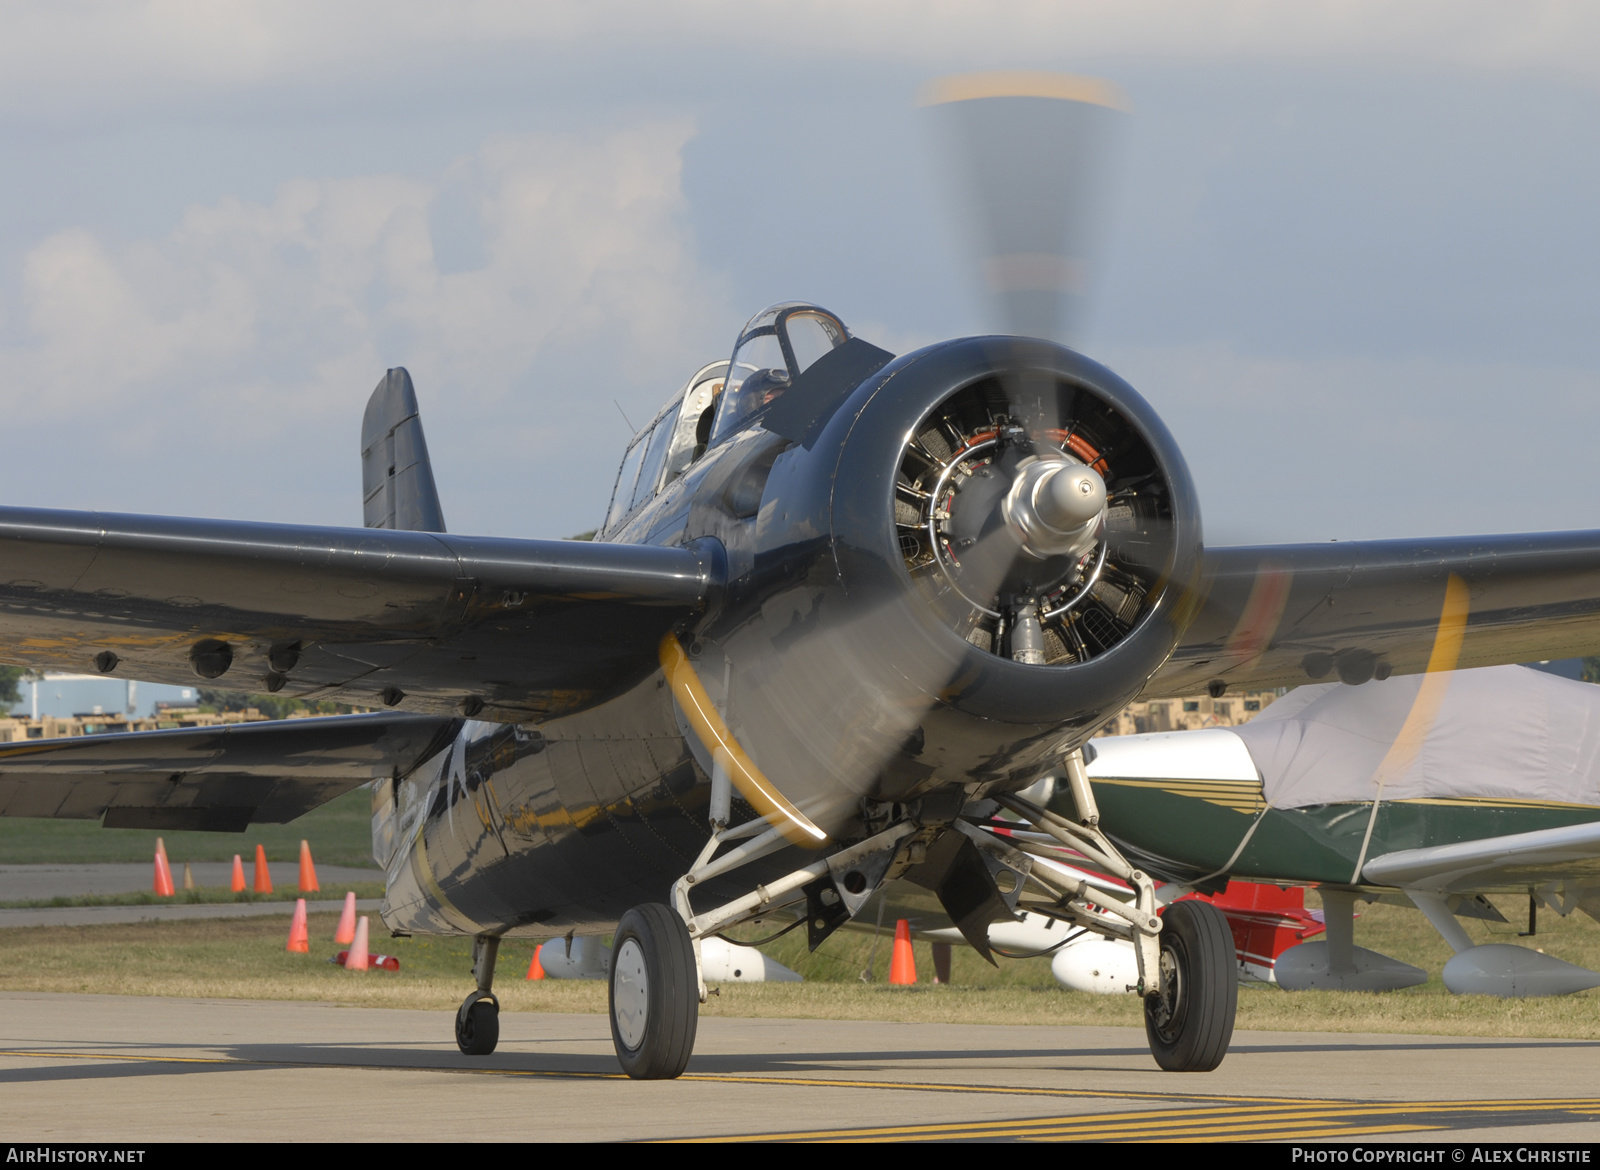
(396, 478)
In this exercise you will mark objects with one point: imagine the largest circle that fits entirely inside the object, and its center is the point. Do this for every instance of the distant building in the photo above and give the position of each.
(50, 727)
(1197, 711)
(57, 695)
(1189, 714)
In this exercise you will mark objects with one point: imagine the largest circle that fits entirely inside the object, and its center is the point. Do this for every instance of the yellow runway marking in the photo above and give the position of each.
(1299, 1120)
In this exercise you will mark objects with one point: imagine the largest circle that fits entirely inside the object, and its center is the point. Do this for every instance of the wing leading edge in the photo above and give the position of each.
(1283, 615)
(516, 630)
(1511, 863)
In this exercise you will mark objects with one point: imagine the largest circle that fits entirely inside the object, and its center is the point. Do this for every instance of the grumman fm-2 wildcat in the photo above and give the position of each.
(846, 608)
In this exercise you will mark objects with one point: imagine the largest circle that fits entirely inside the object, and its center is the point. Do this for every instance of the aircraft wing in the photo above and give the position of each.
(1513, 862)
(515, 630)
(1274, 616)
(216, 778)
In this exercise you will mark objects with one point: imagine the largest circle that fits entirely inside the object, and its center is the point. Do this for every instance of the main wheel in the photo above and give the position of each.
(478, 1025)
(1190, 1020)
(655, 994)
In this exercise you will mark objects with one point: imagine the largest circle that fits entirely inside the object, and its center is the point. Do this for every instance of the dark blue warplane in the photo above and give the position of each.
(846, 611)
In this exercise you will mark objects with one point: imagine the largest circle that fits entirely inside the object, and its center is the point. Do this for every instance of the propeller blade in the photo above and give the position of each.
(1030, 155)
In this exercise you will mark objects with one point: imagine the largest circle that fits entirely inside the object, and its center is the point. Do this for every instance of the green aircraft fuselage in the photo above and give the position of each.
(1187, 829)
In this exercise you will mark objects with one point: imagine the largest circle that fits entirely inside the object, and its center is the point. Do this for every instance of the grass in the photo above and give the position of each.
(245, 959)
(340, 833)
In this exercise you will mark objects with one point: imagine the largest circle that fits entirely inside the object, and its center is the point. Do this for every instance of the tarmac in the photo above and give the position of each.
(27, 883)
(83, 1068)
(32, 883)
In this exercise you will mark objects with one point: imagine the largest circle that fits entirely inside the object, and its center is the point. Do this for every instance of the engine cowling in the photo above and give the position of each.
(1046, 639)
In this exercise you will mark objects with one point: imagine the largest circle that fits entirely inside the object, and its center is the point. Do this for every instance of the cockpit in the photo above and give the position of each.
(774, 348)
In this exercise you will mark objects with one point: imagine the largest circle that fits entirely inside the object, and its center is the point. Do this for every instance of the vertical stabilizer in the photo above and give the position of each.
(396, 478)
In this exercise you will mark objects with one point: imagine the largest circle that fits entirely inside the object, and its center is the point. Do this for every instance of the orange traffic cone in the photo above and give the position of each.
(161, 851)
(902, 964)
(238, 875)
(347, 921)
(163, 882)
(263, 876)
(299, 936)
(536, 968)
(357, 959)
(308, 871)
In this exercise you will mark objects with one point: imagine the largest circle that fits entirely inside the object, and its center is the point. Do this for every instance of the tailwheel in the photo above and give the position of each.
(1189, 1021)
(478, 1024)
(655, 993)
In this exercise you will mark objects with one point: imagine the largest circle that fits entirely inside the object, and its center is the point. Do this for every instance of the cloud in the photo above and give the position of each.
(268, 323)
(56, 56)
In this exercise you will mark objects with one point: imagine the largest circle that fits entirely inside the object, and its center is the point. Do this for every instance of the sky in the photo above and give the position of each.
(1353, 258)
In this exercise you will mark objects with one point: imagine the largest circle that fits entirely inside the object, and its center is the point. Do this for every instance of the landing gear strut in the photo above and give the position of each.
(1185, 955)
(656, 981)
(478, 1019)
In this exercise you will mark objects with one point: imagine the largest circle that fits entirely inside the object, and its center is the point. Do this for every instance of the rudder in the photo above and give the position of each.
(397, 485)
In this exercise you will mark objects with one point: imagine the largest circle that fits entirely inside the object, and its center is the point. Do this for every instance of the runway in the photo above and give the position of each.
(125, 1070)
(42, 881)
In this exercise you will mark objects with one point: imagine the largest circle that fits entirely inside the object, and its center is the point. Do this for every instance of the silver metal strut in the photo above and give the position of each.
(765, 898)
(1074, 900)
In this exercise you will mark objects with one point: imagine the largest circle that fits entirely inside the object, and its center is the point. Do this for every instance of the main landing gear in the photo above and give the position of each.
(1187, 969)
(1185, 953)
(657, 985)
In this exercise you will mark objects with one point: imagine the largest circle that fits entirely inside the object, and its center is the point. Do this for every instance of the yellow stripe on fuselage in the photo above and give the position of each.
(1245, 796)
(1242, 796)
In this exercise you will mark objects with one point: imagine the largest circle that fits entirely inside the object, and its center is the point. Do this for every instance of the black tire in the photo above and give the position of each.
(478, 1027)
(655, 993)
(1190, 1023)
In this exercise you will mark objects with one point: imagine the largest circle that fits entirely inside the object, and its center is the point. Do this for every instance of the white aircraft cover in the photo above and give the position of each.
(1501, 732)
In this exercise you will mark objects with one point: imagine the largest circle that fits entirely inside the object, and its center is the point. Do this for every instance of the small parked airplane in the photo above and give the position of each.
(1434, 789)
(1265, 921)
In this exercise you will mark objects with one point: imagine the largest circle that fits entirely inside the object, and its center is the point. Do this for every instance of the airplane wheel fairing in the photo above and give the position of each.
(1190, 1021)
(478, 1027)
(655, 994)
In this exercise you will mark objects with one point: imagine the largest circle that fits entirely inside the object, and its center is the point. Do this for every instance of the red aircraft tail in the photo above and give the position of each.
(1266, 921)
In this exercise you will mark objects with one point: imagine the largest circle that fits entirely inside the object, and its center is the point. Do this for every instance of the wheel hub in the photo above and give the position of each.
(630, 993)
(1169, 1000)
